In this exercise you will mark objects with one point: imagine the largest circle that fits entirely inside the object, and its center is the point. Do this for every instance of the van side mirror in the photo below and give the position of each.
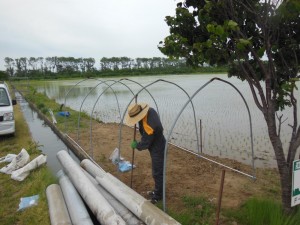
(14, 101)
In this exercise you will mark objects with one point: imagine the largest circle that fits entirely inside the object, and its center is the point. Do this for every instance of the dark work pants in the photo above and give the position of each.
(157, 157)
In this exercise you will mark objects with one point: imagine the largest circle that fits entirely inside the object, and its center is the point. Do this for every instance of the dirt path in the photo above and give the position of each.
(187, 174)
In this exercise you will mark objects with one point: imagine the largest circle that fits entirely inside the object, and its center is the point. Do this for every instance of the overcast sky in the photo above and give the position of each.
(83, 28)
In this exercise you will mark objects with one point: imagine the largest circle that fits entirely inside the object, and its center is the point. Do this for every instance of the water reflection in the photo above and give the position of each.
(42, 134)
(63, 90)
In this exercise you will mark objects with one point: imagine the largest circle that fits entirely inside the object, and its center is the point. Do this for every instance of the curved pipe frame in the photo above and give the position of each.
(159, 80)
(166, 147)
(145, 90)
(171, 130)
(68, 94)
(79, 114)
(91, 116)
(118, 81)
(101, 82)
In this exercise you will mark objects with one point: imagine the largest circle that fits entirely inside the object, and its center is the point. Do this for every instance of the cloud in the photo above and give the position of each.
(91, 28)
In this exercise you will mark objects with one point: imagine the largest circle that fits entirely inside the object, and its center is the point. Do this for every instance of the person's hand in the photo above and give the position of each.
(133, 144)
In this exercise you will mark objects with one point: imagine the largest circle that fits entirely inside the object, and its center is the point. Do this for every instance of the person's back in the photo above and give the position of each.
(151, 121)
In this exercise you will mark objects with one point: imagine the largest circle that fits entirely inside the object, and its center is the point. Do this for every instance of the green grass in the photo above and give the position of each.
(43, 103)
(36, 183)
(197, 211)
(264, 212)
(255, 211)
(12, 191)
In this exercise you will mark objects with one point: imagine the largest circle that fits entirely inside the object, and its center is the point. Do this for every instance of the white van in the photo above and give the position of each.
(7, 121)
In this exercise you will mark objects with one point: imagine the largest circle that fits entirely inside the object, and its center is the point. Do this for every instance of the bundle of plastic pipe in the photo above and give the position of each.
(101, 208)
(136, 203)
(125, 213)
(77, 210)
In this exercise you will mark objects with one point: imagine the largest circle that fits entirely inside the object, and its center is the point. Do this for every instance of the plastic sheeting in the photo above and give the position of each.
(28, 202)
(23, 172)
(19, 161)
(125, 166)
(8, 158)
(67, 114)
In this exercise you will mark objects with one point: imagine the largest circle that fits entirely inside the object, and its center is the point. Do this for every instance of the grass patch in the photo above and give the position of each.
(36, 183)
(197, 211)
(263, 212)
(43, 103)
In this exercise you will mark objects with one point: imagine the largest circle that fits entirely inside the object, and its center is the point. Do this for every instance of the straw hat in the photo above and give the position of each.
(136, 112)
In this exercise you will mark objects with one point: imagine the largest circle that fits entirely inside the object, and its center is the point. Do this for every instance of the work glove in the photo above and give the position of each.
(133, 144)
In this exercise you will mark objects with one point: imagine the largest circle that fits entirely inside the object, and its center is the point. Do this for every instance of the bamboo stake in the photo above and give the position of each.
(132, 160)
(220, 197)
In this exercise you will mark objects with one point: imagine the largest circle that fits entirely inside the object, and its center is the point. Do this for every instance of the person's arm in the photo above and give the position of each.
(145, 142)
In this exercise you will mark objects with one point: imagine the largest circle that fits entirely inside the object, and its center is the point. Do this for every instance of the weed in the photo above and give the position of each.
(44, 111)
(33, 148)
(40, 105)
(264, 211)
(198, 211)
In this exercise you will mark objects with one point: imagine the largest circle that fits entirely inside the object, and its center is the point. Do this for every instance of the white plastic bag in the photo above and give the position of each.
(23, 172)
(7, 158)
(19, 161)
(114, 156)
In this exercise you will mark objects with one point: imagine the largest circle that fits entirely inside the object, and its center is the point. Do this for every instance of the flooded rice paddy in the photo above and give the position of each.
(218, 108)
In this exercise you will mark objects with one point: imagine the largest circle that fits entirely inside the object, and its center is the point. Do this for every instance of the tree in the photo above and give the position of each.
(259, 41)
(51, 63)
(40, 61)
(89, 64)
(9, 64)
(3, 75)
(32, 62)
(104, 64)
(125, 62)
(23, 63)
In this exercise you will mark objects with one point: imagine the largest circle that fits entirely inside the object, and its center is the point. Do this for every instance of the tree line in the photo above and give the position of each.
(52, 66)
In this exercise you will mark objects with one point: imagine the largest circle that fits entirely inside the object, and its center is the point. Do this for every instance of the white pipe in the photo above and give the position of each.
(127, 216)
(92, 168)
(103, 211)
(57, 208)
(137, 204)
(77, 210)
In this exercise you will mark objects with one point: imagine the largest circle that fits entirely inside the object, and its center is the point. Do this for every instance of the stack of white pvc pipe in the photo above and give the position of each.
(77, 210)
(110, 200)
(127, 216)
(136, 203)
(103, 211)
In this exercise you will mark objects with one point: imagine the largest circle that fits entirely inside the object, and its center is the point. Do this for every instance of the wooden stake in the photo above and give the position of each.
(220, 197)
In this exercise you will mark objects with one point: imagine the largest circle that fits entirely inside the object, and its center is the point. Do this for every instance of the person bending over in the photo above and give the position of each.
(151, 130)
